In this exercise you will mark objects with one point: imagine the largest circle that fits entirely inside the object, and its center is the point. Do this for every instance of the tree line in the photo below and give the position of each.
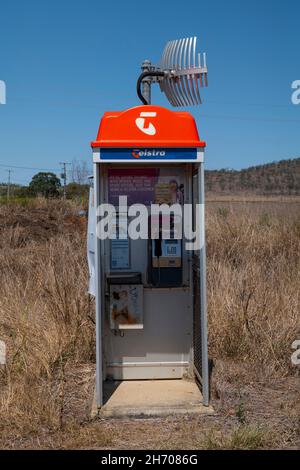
(276, 178)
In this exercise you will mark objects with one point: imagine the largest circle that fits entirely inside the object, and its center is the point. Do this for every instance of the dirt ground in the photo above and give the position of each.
(249, 414)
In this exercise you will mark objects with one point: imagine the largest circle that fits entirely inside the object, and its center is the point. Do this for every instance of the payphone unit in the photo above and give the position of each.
(165, 260)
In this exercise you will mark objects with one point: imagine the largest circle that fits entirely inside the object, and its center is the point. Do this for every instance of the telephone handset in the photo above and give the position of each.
(157, 248)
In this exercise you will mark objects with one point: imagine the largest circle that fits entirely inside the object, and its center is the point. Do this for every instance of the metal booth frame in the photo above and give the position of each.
(110, 137)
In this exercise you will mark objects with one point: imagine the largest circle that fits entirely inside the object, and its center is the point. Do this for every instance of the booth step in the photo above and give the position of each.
(150, 398)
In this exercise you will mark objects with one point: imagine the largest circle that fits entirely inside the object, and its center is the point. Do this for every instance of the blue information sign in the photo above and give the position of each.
(152, 154)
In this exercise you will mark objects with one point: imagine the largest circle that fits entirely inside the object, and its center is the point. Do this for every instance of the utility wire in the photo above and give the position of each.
(29, 168)
(266, 105)
(245, 118)
(77, 104)
(240, 103)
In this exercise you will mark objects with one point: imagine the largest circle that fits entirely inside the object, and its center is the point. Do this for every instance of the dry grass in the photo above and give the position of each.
(253, 285)
(241, 438)
(44, 315)
(249, 198)
(46, 319)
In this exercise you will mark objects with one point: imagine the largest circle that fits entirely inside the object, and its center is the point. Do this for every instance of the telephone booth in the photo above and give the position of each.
(150, 292)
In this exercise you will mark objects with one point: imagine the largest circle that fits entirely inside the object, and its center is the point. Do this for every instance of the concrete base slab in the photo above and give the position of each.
(152, 398)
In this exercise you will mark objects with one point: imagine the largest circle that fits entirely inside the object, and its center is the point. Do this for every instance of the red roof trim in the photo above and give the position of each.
(147, 126)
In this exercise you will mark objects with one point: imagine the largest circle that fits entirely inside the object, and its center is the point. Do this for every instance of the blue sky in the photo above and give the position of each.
(66, 62)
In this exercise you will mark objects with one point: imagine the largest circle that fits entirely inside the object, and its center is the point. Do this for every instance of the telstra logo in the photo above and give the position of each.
(148, 153)
(146, 128)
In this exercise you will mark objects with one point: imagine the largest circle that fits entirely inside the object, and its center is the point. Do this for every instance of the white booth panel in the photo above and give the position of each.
(163, 348)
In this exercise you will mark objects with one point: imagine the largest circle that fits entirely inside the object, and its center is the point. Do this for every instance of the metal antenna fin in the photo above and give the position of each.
(186, 72)
(180, 74)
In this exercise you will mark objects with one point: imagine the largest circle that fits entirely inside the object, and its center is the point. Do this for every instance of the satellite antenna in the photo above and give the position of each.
(180, 74)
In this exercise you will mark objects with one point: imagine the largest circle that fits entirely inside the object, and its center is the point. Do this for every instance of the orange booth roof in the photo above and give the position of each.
(147, 126)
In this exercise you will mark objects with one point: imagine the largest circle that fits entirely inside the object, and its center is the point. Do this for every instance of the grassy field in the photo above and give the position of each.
(47, 322)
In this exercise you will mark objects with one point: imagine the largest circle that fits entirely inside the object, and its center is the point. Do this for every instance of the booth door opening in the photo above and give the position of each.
(148, 324)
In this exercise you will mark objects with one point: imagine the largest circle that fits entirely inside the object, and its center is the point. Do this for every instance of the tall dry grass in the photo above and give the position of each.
(254, 289)
(44, 313)
(46, 317)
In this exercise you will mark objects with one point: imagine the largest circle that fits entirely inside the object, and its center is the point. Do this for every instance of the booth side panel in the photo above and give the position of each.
(197, 322)
(98, 299)
(200, 340)
(203, 294)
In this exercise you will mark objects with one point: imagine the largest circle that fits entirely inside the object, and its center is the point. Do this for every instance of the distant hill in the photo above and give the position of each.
(277, 178)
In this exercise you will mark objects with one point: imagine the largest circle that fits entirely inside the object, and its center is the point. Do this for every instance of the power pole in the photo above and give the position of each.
(64, 175)
(8, 183)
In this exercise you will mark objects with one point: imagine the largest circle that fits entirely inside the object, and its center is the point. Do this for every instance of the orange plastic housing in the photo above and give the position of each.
(148, 127)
